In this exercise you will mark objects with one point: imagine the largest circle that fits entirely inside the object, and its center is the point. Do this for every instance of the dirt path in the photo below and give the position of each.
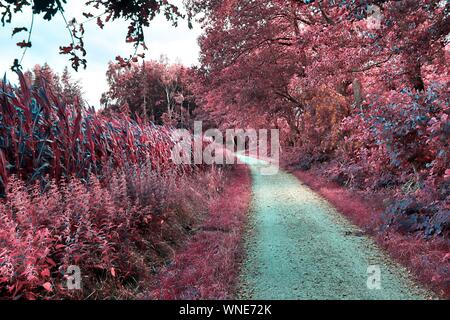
(299, 247)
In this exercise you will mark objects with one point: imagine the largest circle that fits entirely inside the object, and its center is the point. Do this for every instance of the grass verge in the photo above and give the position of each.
(427, 259)
(206, 267)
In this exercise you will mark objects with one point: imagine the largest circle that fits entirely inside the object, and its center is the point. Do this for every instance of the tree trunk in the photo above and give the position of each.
(357, 95)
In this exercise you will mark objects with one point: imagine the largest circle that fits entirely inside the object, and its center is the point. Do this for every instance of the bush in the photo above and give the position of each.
(410, 214)
(397, 140)
(115, 231)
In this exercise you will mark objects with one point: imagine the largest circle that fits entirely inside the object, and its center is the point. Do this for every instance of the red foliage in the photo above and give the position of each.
(207, 266)
(137, 13)
(153, 90)
(111, 230)
(360, 92)
(361, 85)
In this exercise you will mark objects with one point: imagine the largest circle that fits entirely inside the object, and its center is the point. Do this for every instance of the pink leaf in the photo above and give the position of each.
(48, 286)
(45, 273)
(446, 257)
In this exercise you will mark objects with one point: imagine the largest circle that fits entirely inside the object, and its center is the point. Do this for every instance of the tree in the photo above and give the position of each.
(44, 76)
(361, 85)
(62, 85)
(274, 56)
(154, 90)
(71, 90)
(248, 57)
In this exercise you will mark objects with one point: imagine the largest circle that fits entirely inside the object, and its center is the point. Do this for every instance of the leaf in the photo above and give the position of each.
(446, 257)
(24, 44)
(113, 272)
(447, 174)
(45, 272)
(65, 50)
(100, 23)
(48, 286)
(17, 30)
(51, 262)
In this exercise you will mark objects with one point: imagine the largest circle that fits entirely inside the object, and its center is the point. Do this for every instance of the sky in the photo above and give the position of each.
(178, 44)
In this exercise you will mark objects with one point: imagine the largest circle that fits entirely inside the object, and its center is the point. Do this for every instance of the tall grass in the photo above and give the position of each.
(42, 135)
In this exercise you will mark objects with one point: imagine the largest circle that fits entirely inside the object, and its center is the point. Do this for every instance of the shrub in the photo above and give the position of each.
(113, 231)
(396, 140)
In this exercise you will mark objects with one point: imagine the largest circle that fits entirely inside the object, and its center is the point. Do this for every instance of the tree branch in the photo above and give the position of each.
(372, 65)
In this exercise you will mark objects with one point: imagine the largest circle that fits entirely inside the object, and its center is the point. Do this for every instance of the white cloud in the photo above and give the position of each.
(178, 44)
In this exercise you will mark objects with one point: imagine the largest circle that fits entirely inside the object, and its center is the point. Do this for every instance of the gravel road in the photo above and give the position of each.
(299, 247)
